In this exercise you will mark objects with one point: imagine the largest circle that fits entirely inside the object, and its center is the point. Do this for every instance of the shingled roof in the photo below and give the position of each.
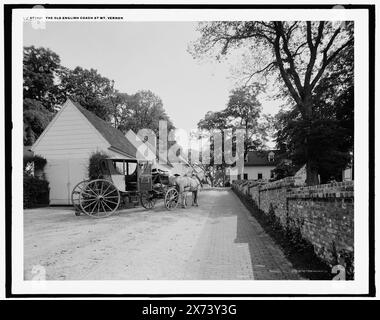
(114, 137)
(260, 158)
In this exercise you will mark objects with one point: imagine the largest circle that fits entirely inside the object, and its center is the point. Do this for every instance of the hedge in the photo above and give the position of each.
(39, 162)
(94, 170)
(36, 192)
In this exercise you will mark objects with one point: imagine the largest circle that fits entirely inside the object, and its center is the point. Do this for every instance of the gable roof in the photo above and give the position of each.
(113, 136)
(260, 158)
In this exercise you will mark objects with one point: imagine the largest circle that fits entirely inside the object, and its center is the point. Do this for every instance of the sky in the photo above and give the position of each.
(145, 56)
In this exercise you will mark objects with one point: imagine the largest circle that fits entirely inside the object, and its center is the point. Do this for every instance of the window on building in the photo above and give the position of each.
(245, 176)
(259, 176)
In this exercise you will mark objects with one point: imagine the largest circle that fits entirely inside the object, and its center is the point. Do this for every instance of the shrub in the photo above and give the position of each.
(294, 234)
(36, 192)
(38, 162)
(94, 171)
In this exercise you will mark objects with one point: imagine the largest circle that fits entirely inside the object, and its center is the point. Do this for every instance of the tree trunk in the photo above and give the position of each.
(311, 174)
(311, 171)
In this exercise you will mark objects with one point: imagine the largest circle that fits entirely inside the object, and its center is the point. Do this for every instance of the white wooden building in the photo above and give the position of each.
(67, 143)
(259, 165)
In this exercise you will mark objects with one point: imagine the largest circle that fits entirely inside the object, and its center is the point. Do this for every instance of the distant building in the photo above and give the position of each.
(258, 165)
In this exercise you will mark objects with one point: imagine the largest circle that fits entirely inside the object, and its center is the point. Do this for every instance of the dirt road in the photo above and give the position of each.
(217, 240)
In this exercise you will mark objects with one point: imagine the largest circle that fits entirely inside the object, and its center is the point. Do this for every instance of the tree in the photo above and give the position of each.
(117, 102)
(330, 134)
(40, 69)
(89, 88)
(47, 85)
(213, 122)
(142, 110)
(244, 111)
(36, 118)
(331, 131)
(298, 52)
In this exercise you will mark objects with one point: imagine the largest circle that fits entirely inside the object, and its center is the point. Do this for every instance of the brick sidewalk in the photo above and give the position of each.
(233, 246)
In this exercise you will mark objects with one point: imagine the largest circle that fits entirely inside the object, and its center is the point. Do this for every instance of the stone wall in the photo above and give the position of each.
(324, 214)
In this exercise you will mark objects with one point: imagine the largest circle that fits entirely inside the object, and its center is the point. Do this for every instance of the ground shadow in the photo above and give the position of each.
(304, 261)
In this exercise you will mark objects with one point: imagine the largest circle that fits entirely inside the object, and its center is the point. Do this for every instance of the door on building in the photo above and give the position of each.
(63, 175)
(259, 176)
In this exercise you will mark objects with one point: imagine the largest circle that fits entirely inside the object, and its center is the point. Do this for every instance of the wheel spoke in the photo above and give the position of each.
(90, 189)
(96, 188)
(89, 204)
(106, 200)
(89, 196)
(101, 202)
(98, 207)
(108, 206)
(93, 209)
(104, 195)
(109, 185)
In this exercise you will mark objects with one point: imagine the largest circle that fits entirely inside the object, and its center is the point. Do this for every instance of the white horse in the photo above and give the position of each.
(187, 183)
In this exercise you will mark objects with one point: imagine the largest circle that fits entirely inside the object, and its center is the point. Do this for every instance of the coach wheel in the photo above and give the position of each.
(99, 198)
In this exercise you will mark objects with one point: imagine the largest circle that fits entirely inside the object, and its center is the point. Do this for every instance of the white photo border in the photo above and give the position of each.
(359, 286)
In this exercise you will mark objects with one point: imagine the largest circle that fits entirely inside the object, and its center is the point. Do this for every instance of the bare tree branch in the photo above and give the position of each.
(291, 28)
(313, 53)
(285, 46)
(283, 73)
(308, 36)
(265, 69)
(298, 48)
(326, 61)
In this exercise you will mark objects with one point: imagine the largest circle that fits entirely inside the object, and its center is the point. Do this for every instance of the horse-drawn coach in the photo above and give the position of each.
(123, 182)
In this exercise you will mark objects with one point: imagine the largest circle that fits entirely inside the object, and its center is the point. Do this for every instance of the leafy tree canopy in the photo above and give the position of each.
(330, 133)
(299, 54)
(36, 118)
(40, 69)
(142, 110)
(89, 88)
(47, 85)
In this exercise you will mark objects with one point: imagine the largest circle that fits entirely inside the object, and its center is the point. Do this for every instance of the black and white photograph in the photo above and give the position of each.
(191, 150)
